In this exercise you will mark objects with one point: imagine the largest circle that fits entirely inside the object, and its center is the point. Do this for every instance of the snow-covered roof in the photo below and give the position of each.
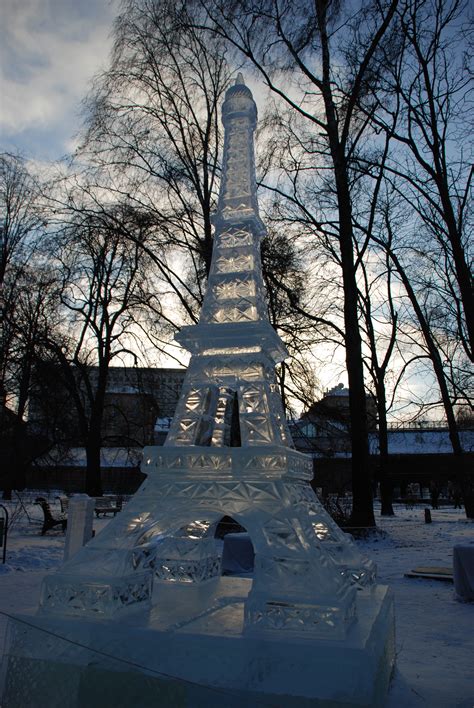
(426, 442)
(400, 442)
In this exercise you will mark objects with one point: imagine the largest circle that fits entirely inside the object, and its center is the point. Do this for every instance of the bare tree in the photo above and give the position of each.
(381, 330)
(20, 219)
(431, 165)
(287, 289)
(106, 292)
(23, 307)
(425, 116)
(330, 57)
(31, 317)
(21, 216)
(428, 324)
(154, 135)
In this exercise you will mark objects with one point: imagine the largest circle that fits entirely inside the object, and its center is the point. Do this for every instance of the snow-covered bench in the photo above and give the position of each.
(108, 505)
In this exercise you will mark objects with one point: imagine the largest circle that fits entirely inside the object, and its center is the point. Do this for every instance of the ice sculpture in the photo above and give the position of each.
(228, 452)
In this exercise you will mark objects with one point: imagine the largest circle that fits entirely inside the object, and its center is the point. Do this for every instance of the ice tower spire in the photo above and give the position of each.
(238, 193)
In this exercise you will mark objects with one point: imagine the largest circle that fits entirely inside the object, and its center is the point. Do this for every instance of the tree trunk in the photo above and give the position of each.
(386, 484)
(386, 494)
(93, 473)
(94, 437)
(93, 447)
(362, 500)
(17, 459)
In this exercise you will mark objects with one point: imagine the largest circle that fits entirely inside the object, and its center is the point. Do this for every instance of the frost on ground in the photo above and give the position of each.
(435, 633)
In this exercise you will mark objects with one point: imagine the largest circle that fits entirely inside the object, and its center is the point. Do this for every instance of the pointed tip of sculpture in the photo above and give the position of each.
(239, 80)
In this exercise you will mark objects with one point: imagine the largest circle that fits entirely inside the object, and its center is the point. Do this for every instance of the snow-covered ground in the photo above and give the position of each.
(435, 633)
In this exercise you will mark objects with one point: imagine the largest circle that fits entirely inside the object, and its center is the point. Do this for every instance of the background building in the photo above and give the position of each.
(135, 399)
(419, 452)
(140, 404)
(325, 426)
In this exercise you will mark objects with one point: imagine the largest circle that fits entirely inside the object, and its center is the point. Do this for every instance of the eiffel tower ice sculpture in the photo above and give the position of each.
(228, 452)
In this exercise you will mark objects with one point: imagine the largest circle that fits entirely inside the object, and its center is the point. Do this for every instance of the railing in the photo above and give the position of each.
(419, 425)
(402, 425)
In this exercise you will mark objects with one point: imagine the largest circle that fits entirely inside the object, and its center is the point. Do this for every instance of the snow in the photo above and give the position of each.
(163, 424)
(435, 633)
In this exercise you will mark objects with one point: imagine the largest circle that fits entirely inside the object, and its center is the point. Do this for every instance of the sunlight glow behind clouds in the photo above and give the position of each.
(49, 52)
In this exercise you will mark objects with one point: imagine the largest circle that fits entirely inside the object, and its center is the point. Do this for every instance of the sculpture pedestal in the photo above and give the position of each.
(180, 659)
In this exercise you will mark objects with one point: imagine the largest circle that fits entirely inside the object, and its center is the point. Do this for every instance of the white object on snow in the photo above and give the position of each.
(79, 524)
(463, 571)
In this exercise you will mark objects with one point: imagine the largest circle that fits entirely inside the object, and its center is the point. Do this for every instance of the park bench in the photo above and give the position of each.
(49, 521)
(108, 505)
(103, 505)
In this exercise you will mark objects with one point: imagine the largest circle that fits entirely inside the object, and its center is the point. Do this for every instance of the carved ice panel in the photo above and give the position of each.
(234, 263)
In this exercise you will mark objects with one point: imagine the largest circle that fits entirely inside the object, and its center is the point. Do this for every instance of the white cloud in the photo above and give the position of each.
(50, 50)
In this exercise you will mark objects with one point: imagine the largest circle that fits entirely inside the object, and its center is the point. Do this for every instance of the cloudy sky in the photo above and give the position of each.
(49, 52)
